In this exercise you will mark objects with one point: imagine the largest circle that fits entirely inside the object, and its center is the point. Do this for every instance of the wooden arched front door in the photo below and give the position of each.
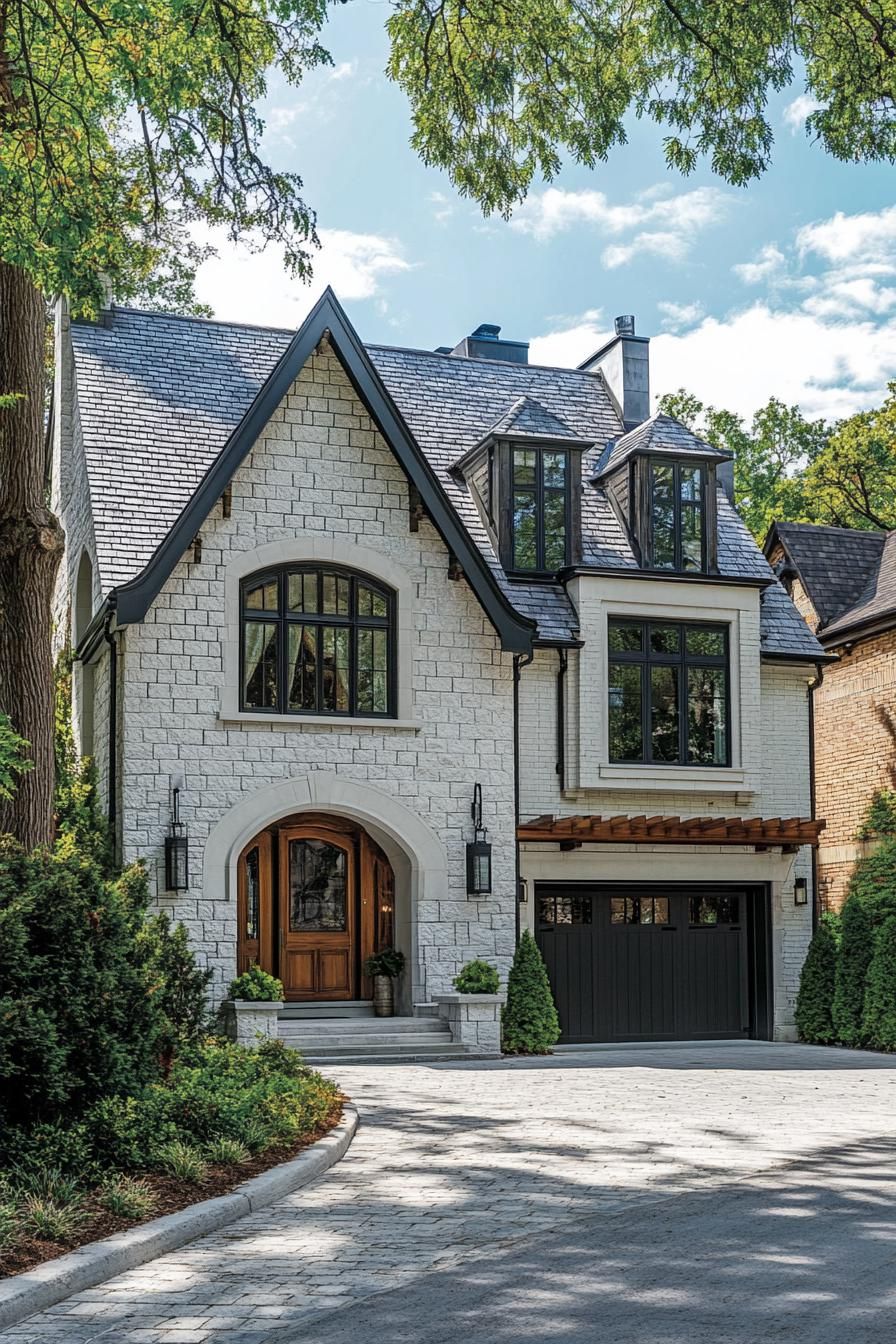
(316, 897)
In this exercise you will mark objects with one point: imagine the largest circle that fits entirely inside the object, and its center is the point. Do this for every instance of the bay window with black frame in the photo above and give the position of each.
(669, 693)
(317, 640)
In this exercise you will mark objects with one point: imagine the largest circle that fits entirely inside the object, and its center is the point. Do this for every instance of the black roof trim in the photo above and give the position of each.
(134, 598)
(674, 576)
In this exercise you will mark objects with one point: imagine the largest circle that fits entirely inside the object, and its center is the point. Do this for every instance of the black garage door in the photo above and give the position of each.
(648, 962)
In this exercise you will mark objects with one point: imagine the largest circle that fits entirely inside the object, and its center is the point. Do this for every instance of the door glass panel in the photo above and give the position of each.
(573, 910)
(545, 909)
(709, 910)
(252, 895)
(317, 887)
(260, 665)
(639, 910)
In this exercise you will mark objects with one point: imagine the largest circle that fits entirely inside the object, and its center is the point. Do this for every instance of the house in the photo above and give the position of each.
(843, 582)
(342, 610)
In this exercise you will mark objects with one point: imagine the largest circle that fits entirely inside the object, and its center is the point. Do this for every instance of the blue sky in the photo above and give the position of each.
(785, 288)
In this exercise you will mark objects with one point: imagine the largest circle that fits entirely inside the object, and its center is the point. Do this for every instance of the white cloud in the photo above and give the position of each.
(344, 70)
(767, 262)
(246, 286)
(869, 237)
(829, 368)
(656, 222)
(678, 315)
(442, 206)
(795, 113)
(571, 340)
(824, 338)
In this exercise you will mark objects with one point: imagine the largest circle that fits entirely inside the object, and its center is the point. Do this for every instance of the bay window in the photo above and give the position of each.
(668, 693)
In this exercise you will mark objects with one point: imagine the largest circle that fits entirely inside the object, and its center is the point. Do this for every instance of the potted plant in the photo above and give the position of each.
(252, 1007)
(382, 968)
(472, 1008)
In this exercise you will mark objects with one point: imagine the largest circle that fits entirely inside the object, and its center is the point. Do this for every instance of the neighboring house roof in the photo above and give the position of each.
(169, 406)
(849, 575)
(661, 434)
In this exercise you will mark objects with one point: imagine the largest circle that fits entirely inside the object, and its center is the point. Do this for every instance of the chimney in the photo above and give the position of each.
(484, 343)
(625, 364)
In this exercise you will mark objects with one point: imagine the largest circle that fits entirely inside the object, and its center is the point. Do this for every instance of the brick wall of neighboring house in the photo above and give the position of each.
(321, 471)
(855, 753)
(798, 595)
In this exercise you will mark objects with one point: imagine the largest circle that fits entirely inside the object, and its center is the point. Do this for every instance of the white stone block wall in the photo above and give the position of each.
(320, 469)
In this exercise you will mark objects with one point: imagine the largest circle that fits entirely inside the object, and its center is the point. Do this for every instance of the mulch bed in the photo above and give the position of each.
(171, 1195)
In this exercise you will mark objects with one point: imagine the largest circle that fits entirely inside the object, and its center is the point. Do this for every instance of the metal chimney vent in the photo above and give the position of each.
(625, 325)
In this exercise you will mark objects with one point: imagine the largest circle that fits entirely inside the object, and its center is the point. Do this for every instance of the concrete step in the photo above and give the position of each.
(369, 1056)
(418, 1040)
(360, 1008)
(361, 1026)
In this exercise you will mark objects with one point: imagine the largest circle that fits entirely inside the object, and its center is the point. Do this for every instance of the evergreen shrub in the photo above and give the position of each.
(856, 948)
(879, 1016)
(477, 977)
(814, 1001)
(256, 986)
(529, 1023)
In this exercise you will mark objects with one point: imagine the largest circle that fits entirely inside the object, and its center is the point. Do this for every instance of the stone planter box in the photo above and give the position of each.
(249, 1022)
(474, 1020)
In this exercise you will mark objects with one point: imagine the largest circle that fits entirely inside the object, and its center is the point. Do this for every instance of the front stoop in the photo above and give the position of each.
(474, 1021)
(369, 1040)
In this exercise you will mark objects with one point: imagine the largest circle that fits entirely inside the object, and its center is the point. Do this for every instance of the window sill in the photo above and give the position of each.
(239, 716)
(669, 779)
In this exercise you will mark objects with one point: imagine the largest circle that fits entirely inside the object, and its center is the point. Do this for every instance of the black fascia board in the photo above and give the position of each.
(133, 599)
(675, 576)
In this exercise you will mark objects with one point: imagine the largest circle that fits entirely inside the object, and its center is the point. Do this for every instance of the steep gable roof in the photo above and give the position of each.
(661, 434)
(839, 567)
(133, 597)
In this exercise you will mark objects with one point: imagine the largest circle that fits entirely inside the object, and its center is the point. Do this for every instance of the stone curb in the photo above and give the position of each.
(42, 1287)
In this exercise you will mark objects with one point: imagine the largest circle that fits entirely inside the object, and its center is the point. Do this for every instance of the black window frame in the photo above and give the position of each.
(679, 507)
(539, 490)
(646, 658)
(282, 618)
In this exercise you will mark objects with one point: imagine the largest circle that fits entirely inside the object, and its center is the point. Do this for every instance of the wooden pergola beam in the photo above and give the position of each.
(761, 831)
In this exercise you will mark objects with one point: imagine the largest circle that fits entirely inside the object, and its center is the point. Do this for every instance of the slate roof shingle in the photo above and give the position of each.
(159, 395)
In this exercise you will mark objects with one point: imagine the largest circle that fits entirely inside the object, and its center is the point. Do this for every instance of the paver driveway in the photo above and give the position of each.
(459, 1162)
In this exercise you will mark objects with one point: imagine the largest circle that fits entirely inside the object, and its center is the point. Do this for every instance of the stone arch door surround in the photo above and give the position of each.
(414, 850)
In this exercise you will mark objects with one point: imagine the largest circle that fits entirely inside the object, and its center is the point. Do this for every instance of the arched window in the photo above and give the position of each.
(83, 598)
(317, 640)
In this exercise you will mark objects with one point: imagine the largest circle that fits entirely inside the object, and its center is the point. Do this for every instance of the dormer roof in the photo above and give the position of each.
(661, 435)
(527, 418)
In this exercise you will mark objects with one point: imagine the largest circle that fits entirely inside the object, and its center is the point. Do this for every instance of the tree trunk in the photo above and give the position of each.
(31, 545)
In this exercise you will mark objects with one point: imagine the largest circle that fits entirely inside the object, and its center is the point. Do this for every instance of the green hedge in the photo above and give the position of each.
(815, 999)
(856, 947)
(879, 1016)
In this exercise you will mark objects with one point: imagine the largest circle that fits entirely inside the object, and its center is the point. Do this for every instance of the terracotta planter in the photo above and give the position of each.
(383, 996)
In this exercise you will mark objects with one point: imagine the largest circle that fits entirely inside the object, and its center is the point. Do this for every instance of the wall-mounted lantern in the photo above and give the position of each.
(801, 891)
(176, 850)
(479, 851)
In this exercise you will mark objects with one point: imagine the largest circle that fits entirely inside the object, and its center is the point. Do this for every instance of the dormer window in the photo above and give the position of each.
(540, 520)
(677, 530)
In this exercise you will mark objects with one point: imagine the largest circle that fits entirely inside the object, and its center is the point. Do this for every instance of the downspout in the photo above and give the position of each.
(520, 660)
(562, 664)
(810, 692)
(112, 777)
